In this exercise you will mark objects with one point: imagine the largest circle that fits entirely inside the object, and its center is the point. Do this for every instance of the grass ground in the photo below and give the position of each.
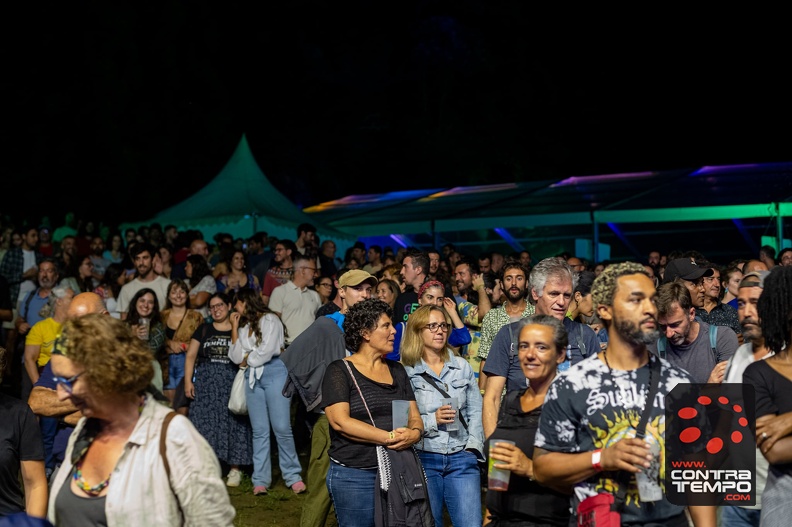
(279, 508)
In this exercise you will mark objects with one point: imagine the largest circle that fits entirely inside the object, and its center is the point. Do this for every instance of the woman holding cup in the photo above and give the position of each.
(452, 441)
(542, 344)
(144, 318)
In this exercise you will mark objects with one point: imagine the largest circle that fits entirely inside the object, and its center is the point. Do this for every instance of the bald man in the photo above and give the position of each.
(44, 400)
(86, 304)
(754, 265)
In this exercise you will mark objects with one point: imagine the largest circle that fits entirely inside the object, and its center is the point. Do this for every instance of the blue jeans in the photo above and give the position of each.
(739, 517)
(352, 492)
(268, 407)
(175, 369)
(453, 480)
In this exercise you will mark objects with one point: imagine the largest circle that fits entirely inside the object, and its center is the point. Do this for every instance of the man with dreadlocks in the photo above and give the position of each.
(587, 431)
(771, 379)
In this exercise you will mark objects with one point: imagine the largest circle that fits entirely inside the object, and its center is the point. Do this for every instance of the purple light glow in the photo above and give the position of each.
(605, 178)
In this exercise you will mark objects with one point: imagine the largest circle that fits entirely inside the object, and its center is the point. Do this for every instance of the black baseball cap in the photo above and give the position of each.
(686, 269)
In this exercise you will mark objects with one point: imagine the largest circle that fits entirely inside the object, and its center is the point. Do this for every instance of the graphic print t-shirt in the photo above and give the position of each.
(214, 344)
(584, 410)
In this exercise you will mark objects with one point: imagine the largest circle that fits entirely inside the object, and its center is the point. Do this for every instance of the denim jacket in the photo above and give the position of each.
(458, 380)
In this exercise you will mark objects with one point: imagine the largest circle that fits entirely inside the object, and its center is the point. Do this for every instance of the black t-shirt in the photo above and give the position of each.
(772, 389)
(406, 303)
(20, 440)
(338, 387)
(526, 500)
(214, 344)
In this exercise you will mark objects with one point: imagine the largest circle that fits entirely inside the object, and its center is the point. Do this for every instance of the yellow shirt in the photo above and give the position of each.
(43, 333)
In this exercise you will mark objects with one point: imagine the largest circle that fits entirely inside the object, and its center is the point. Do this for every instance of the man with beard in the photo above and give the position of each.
(473, 304)
(551, 284)
(688, 342)
(142, 256)
(715, 312)
(753, 349)
(514, 308)
(586, 433)
(283, 269)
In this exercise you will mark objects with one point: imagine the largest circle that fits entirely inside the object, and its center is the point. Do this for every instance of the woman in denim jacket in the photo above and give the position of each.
(449, 454)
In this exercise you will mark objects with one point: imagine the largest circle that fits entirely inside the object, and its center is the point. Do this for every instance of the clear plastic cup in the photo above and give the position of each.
(454, 402)
(144, 323)
(497, 478)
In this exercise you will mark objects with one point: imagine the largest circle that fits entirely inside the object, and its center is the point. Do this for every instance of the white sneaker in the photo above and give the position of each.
(234, 478)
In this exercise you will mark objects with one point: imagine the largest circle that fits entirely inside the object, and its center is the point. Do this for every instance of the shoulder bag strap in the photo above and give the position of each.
(346, 363)
(428, 378)
(579, 339)
(163, 447)
(624, 477)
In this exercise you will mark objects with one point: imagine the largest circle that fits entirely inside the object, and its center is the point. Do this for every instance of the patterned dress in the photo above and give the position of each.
(230, 435)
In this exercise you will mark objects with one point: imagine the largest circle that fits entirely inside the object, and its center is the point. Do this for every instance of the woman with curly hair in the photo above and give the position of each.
(771, 379)
(208, 377)
(257, 341)
(114, 471)
(357, 395)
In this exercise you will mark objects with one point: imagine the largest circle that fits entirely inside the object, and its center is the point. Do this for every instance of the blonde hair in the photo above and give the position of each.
(412, 345)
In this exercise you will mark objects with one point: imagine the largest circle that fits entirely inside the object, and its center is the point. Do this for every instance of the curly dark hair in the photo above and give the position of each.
(361, 317)
(775, 309)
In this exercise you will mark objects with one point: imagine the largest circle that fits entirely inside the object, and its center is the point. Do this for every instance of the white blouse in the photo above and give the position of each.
(258, 354)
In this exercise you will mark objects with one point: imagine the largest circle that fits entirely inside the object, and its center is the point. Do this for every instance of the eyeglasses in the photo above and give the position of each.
(434, 326)
(66, 384)
(216, 307)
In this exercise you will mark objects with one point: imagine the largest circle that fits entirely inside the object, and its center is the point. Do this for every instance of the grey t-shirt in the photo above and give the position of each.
(698, 358)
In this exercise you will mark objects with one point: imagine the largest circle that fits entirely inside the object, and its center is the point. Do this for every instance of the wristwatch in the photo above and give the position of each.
(596, 460)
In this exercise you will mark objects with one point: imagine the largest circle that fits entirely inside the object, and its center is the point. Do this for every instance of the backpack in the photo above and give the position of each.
(662, 343)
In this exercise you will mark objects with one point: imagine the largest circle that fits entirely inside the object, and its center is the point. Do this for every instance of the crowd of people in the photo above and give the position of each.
(401, 371)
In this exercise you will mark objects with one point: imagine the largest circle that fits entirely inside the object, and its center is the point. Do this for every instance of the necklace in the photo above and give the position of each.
(94, 490)
(613, 379)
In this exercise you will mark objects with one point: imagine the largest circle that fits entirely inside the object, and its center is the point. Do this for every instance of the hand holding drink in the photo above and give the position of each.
(497, 478)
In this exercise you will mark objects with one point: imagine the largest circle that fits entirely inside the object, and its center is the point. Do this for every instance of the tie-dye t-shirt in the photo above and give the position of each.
(584, 411)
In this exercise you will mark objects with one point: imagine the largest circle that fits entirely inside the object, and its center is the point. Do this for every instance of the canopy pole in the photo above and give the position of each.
(779, 227)
(595, 242)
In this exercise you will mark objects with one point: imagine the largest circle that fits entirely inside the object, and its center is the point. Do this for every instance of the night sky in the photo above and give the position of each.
(117, 110)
